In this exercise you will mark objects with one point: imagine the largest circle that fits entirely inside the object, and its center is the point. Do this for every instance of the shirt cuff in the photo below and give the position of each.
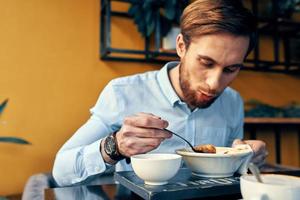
(93, 160)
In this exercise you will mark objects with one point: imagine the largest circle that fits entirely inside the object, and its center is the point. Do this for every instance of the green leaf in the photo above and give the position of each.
(150, 22)
(3, 104)
(137, 12)
(133, 9)
(144, 14)
(138, 17)
(170, 9)
(149, 16)
(14, 140)
(150, 27)
(148, 5)
(142, 28)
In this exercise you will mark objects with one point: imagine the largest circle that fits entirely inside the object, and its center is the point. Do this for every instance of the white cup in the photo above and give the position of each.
(274, 187)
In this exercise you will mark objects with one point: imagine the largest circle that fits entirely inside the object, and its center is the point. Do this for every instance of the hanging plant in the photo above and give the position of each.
(145, 12)
(285, 8)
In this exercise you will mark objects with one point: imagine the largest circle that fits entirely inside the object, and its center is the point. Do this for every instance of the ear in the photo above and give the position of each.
(180, 46)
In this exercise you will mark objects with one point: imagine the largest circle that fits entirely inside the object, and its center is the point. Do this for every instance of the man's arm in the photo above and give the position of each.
(83, 155)
(80, 157)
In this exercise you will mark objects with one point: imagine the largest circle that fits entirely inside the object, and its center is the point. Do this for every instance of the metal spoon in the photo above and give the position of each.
(195, 150)
(255, 171)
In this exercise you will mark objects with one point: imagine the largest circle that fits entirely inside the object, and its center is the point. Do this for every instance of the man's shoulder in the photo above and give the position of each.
(135, 79)
(231, 94)
(230, 100)
(230, 105)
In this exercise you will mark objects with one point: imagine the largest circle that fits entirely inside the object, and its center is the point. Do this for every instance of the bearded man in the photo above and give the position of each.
(191, 97)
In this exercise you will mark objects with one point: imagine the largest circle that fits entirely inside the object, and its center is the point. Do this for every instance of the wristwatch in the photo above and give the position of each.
(111, 147)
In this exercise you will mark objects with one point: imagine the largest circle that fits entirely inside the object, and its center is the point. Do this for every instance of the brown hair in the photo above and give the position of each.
(212, 16)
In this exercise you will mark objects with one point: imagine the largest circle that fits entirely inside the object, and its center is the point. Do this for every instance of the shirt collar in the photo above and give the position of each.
(165, 83)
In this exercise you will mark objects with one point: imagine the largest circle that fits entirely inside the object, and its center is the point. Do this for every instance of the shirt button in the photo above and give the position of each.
(97, 168)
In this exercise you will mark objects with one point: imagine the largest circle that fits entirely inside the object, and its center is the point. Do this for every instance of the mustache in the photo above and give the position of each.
(207, 91)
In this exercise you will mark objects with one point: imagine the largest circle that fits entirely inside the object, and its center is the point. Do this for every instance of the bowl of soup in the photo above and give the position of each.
(224, 162)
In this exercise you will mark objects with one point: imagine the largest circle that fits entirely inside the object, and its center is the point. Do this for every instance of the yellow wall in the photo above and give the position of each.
(51, 72)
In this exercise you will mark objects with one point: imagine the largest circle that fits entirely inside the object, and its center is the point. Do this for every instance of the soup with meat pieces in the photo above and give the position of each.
(206, 148)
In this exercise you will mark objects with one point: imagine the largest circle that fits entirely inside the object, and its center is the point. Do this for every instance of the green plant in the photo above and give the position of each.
(146, 12)
(284, 8)
(287, 7)
(255, 108)
(10, 139)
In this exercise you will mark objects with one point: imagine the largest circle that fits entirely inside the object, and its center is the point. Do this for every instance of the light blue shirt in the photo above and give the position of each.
(79, 160)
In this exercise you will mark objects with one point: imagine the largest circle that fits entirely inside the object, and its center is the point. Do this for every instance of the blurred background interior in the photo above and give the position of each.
(57, 55)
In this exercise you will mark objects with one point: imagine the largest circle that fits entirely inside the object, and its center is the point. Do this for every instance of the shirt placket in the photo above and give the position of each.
(190, 128)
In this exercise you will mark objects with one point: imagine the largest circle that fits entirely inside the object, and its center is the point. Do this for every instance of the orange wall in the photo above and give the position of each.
(272, 88)
(51, 72)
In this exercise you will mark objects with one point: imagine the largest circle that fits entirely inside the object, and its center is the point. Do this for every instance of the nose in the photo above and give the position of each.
(214, 80)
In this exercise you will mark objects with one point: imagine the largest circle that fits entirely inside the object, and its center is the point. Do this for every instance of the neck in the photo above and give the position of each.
(174, 78)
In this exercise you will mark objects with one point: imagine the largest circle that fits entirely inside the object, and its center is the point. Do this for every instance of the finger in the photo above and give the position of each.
(259, 161)
(148, 142)
(258, 146)
(237, 142)
(148, 114)
(146, 121)
(146, 132)
(134, 145)
(260, 158)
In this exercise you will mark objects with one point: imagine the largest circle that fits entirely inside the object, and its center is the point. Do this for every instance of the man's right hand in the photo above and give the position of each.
(141, 133)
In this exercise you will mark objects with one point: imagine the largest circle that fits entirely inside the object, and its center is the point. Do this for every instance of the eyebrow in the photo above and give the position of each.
(238, 65)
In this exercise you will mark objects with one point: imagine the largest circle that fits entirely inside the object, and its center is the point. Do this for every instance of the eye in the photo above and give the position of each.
(229, 70)
(206, 63)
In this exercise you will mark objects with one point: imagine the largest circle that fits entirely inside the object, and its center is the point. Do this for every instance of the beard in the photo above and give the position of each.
(193, 97)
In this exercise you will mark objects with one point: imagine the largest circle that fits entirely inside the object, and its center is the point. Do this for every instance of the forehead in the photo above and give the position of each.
(224, 48)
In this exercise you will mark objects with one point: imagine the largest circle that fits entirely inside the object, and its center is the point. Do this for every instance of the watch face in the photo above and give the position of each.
(110, 145)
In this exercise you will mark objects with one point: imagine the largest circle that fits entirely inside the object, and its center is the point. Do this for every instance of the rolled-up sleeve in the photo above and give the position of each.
(79, 158)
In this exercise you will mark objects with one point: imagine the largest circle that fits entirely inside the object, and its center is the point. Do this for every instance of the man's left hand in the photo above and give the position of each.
(259, 150)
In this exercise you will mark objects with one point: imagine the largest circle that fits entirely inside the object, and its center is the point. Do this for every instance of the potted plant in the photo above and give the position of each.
(284, 8)
(255, 108)
(146, 12)
(7, 138)
(287, 7)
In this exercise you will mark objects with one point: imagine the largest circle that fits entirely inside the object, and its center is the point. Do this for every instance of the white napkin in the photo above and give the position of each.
(245, 160)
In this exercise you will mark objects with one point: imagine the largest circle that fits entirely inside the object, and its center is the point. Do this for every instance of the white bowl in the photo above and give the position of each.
(156, 168)
(274, 186)
(216, 165)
